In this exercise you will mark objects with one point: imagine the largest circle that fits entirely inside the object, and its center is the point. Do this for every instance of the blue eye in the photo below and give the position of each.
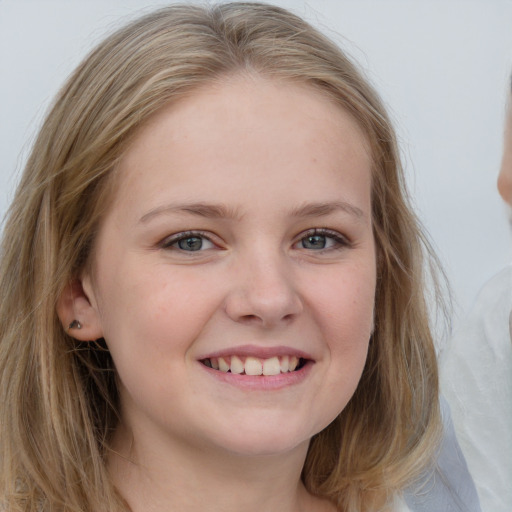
(189, 242)
(318, 240)
(193, 243)
(314, 242)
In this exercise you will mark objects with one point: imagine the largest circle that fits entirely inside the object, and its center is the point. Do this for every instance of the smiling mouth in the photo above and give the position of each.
(255, 366)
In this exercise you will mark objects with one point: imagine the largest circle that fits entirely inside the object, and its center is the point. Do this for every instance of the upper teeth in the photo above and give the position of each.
(254, 365)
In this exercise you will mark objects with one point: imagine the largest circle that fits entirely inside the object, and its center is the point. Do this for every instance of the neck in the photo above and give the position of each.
(179, 477)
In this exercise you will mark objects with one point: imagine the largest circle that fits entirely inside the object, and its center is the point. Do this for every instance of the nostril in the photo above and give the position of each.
(250, 318)
(266, 319)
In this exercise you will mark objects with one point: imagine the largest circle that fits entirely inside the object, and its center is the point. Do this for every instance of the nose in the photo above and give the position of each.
(263, 292)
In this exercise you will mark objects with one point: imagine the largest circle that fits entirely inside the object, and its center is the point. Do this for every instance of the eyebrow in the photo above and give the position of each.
(212, 211)
(322, 209)
(215, 211)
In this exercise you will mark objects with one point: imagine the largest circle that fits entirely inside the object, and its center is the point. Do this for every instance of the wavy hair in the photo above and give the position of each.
(58, 397)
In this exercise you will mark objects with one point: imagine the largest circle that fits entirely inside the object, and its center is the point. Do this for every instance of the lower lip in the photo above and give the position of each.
(262, 382)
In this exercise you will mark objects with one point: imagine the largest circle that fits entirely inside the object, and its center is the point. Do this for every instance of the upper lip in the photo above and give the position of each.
(257, 351)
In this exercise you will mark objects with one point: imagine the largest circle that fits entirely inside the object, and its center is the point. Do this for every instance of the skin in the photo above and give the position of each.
(268, 156)
(505, 175)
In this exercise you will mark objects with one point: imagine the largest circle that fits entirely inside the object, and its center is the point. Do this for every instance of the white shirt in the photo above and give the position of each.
(476, 379)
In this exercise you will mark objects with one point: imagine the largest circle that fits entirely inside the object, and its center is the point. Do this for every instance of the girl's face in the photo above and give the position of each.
(234, 274)
(505, 176)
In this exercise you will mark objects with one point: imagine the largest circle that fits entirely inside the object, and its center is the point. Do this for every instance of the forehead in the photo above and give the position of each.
(262, 104)
(272, 132)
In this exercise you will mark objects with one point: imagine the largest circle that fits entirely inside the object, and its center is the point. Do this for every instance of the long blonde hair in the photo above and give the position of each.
(58, 398)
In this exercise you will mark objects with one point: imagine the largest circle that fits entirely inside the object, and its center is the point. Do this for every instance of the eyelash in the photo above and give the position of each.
(341, 242)
(168, 242)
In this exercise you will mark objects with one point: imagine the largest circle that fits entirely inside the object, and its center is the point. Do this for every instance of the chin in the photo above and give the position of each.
(252, 447)
(265, 439)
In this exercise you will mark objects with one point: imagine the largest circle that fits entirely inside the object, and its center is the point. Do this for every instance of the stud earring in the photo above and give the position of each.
(75, 324)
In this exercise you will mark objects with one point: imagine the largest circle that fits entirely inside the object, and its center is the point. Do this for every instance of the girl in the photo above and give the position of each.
(212, 281)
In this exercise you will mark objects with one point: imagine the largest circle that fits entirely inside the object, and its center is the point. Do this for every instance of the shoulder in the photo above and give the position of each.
(447, 483)
(476, 379)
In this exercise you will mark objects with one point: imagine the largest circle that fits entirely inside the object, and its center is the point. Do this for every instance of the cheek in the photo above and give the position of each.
(347, 307)
(144, 305)
(345, 317)
(150, 323)
(347, 324)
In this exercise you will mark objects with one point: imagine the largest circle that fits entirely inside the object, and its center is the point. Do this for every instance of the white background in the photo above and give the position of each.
(442, 66)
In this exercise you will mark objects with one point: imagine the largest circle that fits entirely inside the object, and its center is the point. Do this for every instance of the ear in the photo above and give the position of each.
(74, 305)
